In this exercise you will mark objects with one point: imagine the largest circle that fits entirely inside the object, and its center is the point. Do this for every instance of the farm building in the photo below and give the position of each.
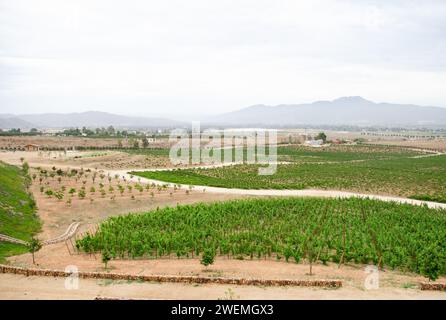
(31, 147)
(314, 143)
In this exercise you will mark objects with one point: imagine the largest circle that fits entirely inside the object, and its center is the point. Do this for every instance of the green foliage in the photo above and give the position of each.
(427, 197)
(59, 195)
(105, 258)
(208, 257)
(81, 194)
(321, 136)
(18, 217)
(295, 229)
(35, 245)
(156, 152)
(25, 168)
(145, 142)
(374, 171)
(432, 261)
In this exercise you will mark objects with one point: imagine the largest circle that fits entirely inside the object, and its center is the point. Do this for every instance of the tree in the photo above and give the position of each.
(136, 144)
(59, 195)
(105, 258)
(145, 142)
(321, 136)
(111, 130)
(34, 246)
(81, 194)
(208, 257)
(25, 167)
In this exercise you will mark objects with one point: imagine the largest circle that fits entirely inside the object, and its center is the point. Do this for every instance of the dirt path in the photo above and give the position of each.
(21, 287)
(70, 232)
(5, 238)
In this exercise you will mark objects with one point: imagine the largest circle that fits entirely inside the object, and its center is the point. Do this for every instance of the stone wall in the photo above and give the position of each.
(433, 286)
(177, 279)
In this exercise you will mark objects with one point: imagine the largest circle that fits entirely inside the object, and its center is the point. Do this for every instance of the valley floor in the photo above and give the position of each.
(57, 216)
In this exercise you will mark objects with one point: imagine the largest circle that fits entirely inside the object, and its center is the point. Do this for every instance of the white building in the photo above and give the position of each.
(314, 143)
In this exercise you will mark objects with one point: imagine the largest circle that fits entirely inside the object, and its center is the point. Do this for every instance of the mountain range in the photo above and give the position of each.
(91, 119)
(353, 111)
(343, 111)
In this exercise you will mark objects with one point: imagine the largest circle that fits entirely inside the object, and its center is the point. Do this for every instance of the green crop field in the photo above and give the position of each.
(18, 217)
(406, 237)
(342, 153)
(307, 154)
(155, 152)
(372, 170)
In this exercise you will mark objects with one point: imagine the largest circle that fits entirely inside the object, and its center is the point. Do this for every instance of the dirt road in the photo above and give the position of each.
(21, 287)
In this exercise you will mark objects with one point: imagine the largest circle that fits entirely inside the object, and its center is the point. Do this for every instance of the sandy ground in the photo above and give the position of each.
(69, 142)
(86, 159)
(39, 288)
(58, 215)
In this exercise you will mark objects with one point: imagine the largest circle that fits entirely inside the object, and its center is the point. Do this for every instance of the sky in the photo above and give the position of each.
(200, 57)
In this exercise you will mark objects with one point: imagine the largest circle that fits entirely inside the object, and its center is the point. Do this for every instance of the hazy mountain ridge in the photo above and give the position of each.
(9, 121)
(87, 119)
(342, 111)
(355, 111)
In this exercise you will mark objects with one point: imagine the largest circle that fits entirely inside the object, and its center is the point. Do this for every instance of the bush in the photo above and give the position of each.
(208, 257)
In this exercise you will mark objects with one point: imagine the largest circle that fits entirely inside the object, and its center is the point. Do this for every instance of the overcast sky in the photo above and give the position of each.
(206, 57)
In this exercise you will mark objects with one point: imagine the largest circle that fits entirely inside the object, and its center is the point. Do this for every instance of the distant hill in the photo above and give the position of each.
(351, 111)
(343, 111)
(9, 121)
(6, 115)
(88, 119)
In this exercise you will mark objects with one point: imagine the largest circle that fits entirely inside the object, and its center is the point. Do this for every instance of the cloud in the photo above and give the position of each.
(202, 56)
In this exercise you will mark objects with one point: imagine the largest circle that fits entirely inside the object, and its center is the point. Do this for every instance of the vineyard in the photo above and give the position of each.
(312, 230)
(420, 178)
(339, 153)
(307, 154)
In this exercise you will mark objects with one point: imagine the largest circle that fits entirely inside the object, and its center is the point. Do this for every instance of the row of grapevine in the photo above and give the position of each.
(420, 178)
(411, 238)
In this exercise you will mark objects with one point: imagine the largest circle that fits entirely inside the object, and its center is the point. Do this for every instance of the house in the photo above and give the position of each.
(31, 147)
(315, 143)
